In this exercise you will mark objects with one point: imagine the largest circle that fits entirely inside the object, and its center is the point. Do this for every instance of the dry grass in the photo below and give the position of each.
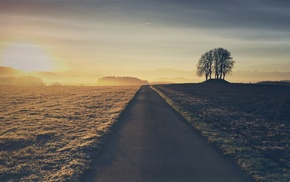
(249, 123)
(50, 133)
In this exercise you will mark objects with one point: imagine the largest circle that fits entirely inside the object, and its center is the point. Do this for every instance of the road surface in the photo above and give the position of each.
(152, 142)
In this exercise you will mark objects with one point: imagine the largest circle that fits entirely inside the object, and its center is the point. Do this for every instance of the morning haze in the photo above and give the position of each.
(92, 39)
(144, 90)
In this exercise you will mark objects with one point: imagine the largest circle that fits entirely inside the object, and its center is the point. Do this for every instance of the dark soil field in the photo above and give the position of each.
(250, 123)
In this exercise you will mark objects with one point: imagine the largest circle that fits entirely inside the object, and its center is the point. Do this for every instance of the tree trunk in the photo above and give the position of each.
(210, 71)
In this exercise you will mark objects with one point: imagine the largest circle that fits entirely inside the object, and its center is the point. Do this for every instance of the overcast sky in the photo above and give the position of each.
(132, 35)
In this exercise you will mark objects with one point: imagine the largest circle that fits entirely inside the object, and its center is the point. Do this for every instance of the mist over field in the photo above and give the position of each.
(70, 68)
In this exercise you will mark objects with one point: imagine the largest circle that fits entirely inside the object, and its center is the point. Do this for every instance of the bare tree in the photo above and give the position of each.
(204, 66)
(217, 60)
(225, 62)
(209, 57)
(227, 67)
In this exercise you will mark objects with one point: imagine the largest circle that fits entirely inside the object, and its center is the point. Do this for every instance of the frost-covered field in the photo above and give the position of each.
(249, 123)
(50, 133)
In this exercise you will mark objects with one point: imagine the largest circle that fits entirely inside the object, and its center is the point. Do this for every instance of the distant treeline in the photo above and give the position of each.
(21, 81)
(280, 83)
(120, 81)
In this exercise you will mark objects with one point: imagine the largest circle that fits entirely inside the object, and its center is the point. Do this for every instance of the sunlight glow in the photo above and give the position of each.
(27, 57)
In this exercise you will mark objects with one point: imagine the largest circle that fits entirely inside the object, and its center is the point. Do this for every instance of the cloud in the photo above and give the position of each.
(138, 25)
(154, 34)
(232, 14)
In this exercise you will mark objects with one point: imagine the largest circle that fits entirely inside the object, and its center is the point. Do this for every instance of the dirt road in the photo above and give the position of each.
(153, 143)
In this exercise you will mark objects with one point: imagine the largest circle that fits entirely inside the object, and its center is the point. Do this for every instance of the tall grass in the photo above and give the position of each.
(51, 133)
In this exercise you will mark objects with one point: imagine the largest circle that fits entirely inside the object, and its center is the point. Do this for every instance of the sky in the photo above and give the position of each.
(152, 39)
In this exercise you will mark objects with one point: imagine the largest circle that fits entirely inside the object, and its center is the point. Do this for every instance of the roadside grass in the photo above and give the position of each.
(52, 133)
(248, 123)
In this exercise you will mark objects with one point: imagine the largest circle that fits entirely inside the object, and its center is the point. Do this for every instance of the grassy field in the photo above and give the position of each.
(50, 133)
(250, 123)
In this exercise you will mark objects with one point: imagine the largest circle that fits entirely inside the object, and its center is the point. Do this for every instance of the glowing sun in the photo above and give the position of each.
(27, 57)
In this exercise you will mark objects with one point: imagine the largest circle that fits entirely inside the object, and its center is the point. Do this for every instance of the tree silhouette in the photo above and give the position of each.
(204, 65)
(217, 61)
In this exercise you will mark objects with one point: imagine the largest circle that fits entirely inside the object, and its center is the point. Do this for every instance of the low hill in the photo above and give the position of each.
(21, 81)
(7, 71)
(279, 83)
(121, 81)
(215, 81)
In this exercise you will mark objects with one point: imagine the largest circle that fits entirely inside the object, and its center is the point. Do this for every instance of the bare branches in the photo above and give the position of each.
(217, 61)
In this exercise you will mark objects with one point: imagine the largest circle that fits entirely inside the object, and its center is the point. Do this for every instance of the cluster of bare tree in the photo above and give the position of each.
(217, 61)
